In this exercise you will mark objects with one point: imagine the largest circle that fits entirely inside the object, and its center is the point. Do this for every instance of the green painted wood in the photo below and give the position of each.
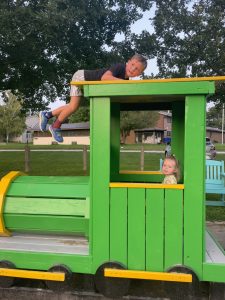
(100, 178)
(115, 141)
(87, 208)
(149, 178)
(43, 261)
(53, 179)
(136, 229)
(173, 228)
(46, 224)
(159, 88)
(55, 190)
(194, 181)
(118, 225)
(155, 230)
(45, 206)
(178, 117)
(213, 272)
(147, 105)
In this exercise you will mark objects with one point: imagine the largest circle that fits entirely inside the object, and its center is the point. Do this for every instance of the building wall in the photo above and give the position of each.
(79, 140)
(79, 137)
(26, 137)
(151, 139)
(164, 122)
(130, 139)
(215, 137)
(160, 122)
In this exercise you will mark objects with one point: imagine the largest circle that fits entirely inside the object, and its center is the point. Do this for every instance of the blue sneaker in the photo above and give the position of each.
(43, 121)
(56, 134)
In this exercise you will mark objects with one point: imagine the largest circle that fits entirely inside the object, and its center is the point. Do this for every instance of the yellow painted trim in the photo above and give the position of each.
(146, 185)
(132, 274)
(140, 172)
(210, 78)
(54, 276)
(4, 185)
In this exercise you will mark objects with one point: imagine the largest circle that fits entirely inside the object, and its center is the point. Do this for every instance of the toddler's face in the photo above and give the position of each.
(169, 167)
(134, 68)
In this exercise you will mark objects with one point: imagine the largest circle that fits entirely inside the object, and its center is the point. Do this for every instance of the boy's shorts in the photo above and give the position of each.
(75, 90)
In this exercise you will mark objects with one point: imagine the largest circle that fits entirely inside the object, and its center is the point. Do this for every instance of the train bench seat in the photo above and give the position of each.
(214, 183)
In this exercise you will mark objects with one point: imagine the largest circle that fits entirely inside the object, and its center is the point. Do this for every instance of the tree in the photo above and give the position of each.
(81, 115)
(130, 120)
(191, 39)
(190, 36)
(11, 120)
(43, 42)
(214, 116)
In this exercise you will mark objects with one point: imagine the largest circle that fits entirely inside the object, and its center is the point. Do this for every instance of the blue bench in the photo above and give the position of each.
(214, 181)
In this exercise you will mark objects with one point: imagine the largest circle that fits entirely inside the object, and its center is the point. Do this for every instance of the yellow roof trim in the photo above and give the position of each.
(189, 79)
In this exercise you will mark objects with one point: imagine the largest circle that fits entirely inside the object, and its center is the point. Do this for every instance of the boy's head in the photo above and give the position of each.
(171, 166)
(136, 65)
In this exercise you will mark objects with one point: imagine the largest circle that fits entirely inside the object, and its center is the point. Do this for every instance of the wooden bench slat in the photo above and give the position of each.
(214, 183)
(214, 175)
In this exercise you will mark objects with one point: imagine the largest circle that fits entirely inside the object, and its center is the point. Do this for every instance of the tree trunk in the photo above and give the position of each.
(123, 137)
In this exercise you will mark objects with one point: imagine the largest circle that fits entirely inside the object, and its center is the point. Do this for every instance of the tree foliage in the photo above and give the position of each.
(214, 116)
(43, 42)
(81, 115)
(11, 120)
(191, 39)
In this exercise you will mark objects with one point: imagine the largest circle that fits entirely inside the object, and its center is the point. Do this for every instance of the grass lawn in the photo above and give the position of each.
(215, 213)
(71, 164)
(68, 163)
(43, 163)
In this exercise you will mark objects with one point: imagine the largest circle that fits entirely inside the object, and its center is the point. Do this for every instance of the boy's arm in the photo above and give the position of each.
(108, 75)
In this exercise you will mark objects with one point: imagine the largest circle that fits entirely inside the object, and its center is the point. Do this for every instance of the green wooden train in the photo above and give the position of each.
(112, 224)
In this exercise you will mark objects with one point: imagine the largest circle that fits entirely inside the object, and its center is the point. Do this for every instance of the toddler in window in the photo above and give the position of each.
(171, 170)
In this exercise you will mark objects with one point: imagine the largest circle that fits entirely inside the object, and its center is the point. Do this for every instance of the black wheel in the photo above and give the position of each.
(180, 290)
(109, 286)
(67, 284)
(6, 282)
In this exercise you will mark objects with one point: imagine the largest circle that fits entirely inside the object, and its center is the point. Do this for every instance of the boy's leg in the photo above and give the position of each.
(58, 110)
(63, 114)
(44, 116)
(65, 111)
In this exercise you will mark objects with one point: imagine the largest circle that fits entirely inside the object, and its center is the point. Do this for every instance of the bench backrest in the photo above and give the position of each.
(214, 171)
